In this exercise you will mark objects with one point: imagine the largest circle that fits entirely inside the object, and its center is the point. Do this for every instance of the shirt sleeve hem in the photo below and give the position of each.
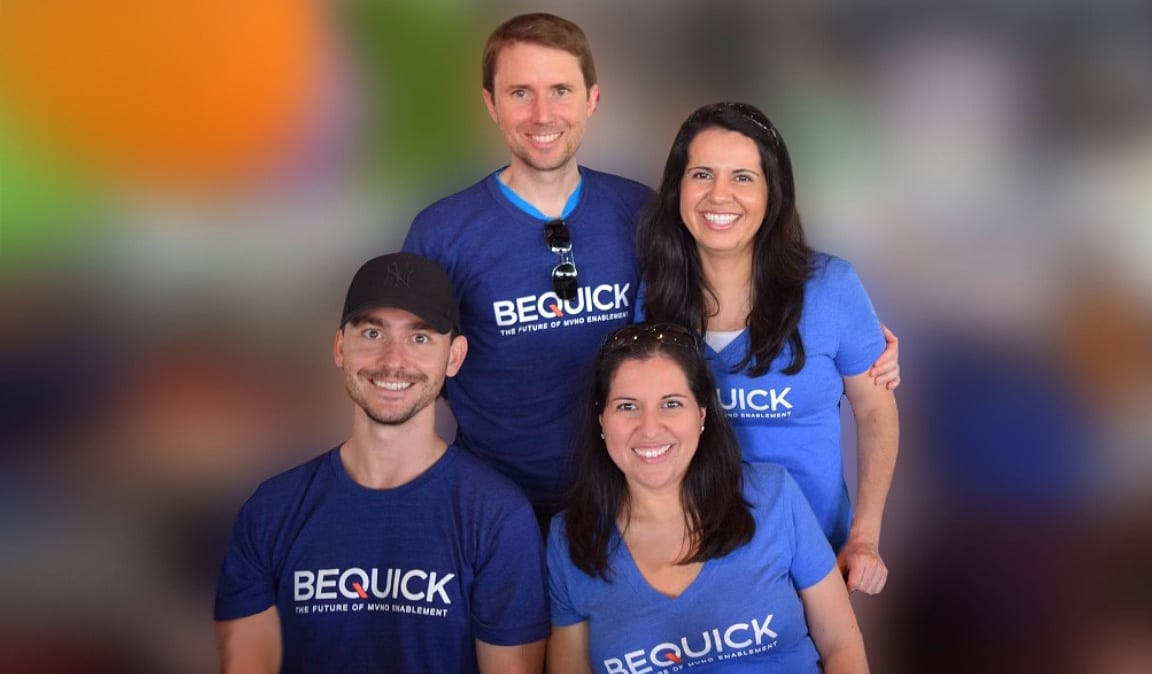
(239, 610)
(515, 636)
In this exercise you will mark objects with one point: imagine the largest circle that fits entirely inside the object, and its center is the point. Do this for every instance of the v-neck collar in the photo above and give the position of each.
(519, 202)
(636, 577)
(732, 353)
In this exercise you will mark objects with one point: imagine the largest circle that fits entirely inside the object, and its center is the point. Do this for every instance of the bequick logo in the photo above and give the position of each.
(357, 583)
(757, 400)
(531, 308)
(711, 644)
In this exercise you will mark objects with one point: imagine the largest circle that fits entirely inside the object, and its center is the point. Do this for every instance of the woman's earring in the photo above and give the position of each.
(601, 436)
(701, 428)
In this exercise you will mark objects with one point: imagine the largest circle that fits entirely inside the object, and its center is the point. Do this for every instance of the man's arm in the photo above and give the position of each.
(877, 443)
(568, 650)
(519, 659)
(250, 644)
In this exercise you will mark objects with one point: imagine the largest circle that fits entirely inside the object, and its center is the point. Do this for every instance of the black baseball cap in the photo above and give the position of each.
(404, 281)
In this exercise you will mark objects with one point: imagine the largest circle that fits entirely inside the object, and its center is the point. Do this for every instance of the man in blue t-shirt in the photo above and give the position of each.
(542, 256)
(393, 551)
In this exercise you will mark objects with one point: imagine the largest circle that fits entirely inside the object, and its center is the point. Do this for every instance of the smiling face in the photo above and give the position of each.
(542, 105)
(651, 423)
(723, 192)
(395, 364)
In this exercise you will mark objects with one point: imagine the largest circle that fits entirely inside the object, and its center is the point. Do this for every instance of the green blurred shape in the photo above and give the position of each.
(48, 207)
(420, 64)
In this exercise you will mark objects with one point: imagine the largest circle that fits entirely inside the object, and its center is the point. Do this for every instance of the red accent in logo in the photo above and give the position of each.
(360, 590)
(555, 309)
(673, 657)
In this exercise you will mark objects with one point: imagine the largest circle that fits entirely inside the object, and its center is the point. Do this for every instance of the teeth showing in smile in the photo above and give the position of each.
(546, 138)
(392, 385)
(652, 452)
(720, 218)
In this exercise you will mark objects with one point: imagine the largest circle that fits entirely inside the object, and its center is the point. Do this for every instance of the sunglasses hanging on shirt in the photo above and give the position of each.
(564, 277)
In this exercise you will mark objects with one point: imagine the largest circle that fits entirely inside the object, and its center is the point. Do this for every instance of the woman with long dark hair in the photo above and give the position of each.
(673, 552)
(789, 331)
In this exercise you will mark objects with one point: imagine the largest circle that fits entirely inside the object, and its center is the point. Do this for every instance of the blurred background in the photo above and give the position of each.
(187, 187)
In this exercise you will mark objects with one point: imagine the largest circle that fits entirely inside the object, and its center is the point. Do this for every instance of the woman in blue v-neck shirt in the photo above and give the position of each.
(674, 553)
(788, 330)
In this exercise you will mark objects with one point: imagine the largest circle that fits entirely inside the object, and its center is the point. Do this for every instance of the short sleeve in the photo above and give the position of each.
(812, 557)
(560, 571)
(861, 340)
(247, 584)
(509, 594)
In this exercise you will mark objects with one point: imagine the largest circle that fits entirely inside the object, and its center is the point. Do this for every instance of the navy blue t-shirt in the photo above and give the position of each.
(529, 355)
(397, 580)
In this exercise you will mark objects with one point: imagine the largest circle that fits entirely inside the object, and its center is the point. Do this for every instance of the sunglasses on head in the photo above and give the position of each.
(667, 334)
(748, 112)
(564, 275)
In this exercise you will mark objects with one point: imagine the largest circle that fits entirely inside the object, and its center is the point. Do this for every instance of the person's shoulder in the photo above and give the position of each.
(287, 485)
(617, 184)
(557, 527)
(772, 493)
(453, 203)
(830, 268)
(301, 472)
(302, 469)
(476, 480)
(483, 499)
(765, 482)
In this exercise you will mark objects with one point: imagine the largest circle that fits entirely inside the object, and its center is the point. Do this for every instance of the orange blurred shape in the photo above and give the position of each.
(196, 91)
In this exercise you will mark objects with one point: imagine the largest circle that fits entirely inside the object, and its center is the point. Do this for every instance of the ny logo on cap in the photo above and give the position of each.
(399, 277)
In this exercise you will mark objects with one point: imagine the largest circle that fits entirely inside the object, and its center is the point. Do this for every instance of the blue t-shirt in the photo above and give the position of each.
(742, 613)
(398, 580)
(529, 355)
(795, 420)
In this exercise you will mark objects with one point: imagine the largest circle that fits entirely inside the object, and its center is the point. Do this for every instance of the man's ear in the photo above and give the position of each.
(338, 348)
(490, 103)
(593, 99)
(456, 353)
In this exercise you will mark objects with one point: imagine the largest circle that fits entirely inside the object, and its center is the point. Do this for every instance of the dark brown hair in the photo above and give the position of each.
(781, 258)
(718, 517)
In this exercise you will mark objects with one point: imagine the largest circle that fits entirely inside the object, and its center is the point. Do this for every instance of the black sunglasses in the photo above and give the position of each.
(672, 334)
(564, 276)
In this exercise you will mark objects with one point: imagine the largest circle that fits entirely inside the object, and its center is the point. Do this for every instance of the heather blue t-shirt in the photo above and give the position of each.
(742, 613)
(794, 420)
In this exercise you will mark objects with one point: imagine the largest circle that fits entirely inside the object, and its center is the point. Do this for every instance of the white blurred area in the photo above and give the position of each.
(987, 167)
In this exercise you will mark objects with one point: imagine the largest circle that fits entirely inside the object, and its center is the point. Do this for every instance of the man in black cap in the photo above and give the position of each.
(393, 551)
